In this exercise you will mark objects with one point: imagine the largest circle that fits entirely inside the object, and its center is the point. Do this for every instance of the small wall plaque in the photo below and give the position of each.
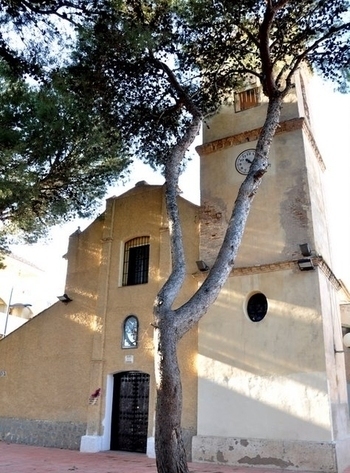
(129, 358)
(3, 373)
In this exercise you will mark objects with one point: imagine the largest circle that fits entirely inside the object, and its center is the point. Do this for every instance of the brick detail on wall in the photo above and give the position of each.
(253, 135)
(213, 228)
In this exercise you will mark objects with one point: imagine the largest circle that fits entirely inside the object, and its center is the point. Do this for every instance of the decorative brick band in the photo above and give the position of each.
(310, 136)
(264, 268)
(336, 283)
(253, 135)
(281, 266)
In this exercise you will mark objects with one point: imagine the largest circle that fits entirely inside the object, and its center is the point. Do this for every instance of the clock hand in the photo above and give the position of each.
(248, 161)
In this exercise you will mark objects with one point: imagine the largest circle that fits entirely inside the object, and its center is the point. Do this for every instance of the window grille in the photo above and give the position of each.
(136, 261)
(247, 99)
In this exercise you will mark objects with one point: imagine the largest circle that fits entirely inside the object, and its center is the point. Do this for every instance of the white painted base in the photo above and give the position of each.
(91, 443)
(343, 454)
(279, 454)
(151, 452)
(94, 444)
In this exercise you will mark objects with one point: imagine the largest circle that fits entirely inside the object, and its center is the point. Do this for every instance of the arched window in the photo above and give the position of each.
(136, 261)
(130, 332)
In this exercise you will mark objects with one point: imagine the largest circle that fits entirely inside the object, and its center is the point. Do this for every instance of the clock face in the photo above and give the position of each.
(244, 161)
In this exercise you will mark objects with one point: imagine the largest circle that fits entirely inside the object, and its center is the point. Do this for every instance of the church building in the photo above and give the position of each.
(266, 371)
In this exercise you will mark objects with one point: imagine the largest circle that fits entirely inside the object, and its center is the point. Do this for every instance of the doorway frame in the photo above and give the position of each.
(107, 421)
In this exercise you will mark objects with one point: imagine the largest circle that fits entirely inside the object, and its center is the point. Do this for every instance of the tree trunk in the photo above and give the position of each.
(169, 446)
(171, 324)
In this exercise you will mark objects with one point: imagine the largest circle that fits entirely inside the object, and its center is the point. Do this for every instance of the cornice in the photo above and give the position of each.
(314, 146)
(264, 268)
(253, 135)
(317, 261)
(328, 273)
(344, 289)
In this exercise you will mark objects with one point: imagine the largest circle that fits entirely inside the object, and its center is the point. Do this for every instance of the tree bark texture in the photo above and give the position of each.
(170, 449)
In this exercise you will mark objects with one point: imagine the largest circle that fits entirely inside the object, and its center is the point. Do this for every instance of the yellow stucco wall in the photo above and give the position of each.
(268, 378)
(47, 361)
(141, 212)
(280, 218)
(276, 381)
(51, 366)
(272, 389)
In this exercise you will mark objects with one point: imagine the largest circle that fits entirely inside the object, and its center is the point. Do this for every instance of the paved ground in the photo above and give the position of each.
(27, 459)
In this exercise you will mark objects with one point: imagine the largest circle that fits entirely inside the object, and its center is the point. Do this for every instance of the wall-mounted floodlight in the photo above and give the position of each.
(305, 249)
(64, 298)
(202, 266)
(346, 340)
(306, 264)
(20, 305)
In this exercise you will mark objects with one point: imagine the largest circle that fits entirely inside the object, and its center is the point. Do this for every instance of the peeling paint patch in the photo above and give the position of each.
(220, 457)
(244, 442)
(258, 460)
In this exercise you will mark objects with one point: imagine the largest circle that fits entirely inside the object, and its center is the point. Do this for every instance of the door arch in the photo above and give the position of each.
(130, 411)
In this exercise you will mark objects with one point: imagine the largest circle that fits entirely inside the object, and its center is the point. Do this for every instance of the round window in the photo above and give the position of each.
(257, 307)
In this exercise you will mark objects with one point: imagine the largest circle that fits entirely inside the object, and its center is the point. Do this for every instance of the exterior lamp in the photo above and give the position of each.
(202, 266)
(19, 304)
(64, 298)
(305, 249)
(306, 264)
(346, 340)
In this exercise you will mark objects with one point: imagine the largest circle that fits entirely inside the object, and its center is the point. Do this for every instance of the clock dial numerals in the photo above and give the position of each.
(244, 161)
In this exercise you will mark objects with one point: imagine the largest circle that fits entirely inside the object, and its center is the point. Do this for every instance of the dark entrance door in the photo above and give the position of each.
(130, 412)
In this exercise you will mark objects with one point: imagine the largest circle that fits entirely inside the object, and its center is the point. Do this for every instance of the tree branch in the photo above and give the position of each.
(279, 5)
(264, 48)
(188, 103)
(51, 11)
(170, 290)
(299, 59)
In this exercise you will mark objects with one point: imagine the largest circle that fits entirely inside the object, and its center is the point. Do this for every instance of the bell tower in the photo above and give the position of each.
(272, 380)
(285, 212)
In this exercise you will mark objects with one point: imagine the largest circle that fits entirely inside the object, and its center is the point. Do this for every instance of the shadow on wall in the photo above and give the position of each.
(279, 344)
(264, 410)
